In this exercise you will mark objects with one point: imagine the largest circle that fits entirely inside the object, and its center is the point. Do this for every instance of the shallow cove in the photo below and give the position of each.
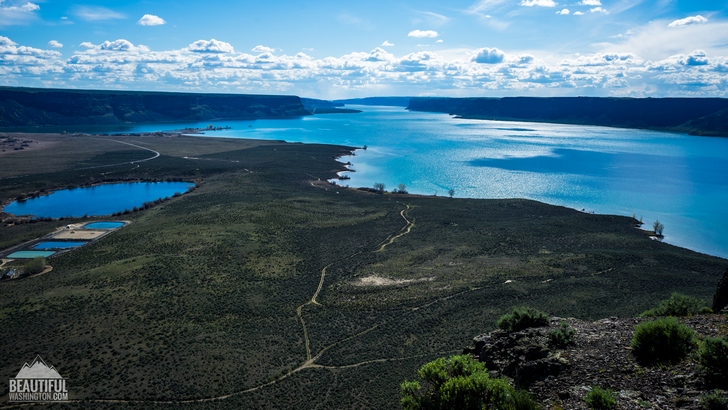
(96, 200)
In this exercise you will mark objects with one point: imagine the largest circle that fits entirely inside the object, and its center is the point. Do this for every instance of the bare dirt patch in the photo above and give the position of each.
(374, 280)
(84, 234)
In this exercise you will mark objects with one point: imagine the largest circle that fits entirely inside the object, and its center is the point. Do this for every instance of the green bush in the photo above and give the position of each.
(714, 401)
(677, 305)
(562, 335)
(599, 398)
(713, 355)
(521, 318)
(460, 382)
(35, 265)
(662, 341)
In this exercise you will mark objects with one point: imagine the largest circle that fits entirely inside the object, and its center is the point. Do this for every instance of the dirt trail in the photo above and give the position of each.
(156, 154)
(310, 362)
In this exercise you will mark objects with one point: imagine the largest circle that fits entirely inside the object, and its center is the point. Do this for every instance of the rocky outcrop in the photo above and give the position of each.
(44, 107)
(720, 299)
(600, 355)
(699, 116)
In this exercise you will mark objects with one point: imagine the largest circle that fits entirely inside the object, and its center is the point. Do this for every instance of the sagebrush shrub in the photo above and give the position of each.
(521, 318)
(562, 335)
(662, 341)
(713, 356)
(599, 398)
(677, 305)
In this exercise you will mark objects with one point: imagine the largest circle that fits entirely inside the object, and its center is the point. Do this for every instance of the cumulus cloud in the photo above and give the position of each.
(96, 13)
(439, 41)
(489, 56)
(563, 12)
(211, 46)
(590, 3)
(687, 21)
(388, 44)
(598, 10)
(539, 3)
(423, 34)
(151, 20)
(263, 49)
(202, 66)
(55, 44)
(578, 13)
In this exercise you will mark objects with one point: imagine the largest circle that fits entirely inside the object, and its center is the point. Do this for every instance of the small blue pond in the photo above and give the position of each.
(58, 245)
(103, 225)
(97, 200)
(30, 254)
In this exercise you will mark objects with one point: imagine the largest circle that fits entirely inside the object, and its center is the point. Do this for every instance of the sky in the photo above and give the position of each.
(347, 49)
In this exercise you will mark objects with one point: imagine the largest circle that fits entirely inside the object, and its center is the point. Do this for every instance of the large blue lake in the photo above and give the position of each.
(678, 179)
(96, 200)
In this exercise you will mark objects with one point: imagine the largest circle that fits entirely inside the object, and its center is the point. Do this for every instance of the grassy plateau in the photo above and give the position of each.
(267, 287)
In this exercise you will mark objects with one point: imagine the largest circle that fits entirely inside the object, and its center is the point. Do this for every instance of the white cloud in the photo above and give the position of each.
(263, 49)
(539, 3)
(151, 20)
(439, 41)
(598, 10)
(214, 66)
(96, 13)
(423, 34)
(17, 14)
(55, 44)
(563, 12)
(687, 21)
(211, 46)
(489, 56)
(578, 13)
(590, 3)
(387, 44)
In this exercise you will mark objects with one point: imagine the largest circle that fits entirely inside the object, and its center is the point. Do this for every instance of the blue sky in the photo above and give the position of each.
(335, 49)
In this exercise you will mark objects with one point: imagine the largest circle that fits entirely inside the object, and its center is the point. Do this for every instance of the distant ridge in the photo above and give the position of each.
(695, 116)
(45, 107)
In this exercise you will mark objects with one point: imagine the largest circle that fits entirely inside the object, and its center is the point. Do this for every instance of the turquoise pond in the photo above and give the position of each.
(96, 200)
(680, 180)
(104, 225)
(58, 245)
(30, 254)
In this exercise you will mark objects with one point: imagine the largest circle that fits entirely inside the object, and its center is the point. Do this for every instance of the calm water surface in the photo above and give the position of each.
(97, 200)
(680, 180)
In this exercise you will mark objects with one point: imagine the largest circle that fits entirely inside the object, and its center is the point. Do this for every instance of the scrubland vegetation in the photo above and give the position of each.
(198, 297)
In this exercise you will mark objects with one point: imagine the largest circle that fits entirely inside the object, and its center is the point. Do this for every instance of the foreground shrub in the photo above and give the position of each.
(562, 335)
(460, 382)
(599, 398)
(713, 356)
(713, 401)
(522, 318)
(678, 305)
(662, 341)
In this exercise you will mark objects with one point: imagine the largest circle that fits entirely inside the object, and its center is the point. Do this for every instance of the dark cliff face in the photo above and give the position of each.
(703, 116)
(39, 107)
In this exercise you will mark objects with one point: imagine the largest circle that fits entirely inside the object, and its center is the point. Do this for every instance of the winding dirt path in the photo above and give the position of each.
(156, 155)
(310, 362)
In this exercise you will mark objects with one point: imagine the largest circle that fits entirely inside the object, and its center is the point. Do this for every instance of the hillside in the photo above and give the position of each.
(698, 116)
(45, 107)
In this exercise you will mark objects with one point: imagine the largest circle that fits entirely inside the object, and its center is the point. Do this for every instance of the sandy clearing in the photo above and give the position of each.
(374, 280)
(85, 234)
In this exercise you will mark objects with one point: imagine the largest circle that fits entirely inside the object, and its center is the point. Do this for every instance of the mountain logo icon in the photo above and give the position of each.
(38, 369)
(37, 382)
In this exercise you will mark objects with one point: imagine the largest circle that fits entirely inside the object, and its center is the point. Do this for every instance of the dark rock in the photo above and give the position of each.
(720, 300)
